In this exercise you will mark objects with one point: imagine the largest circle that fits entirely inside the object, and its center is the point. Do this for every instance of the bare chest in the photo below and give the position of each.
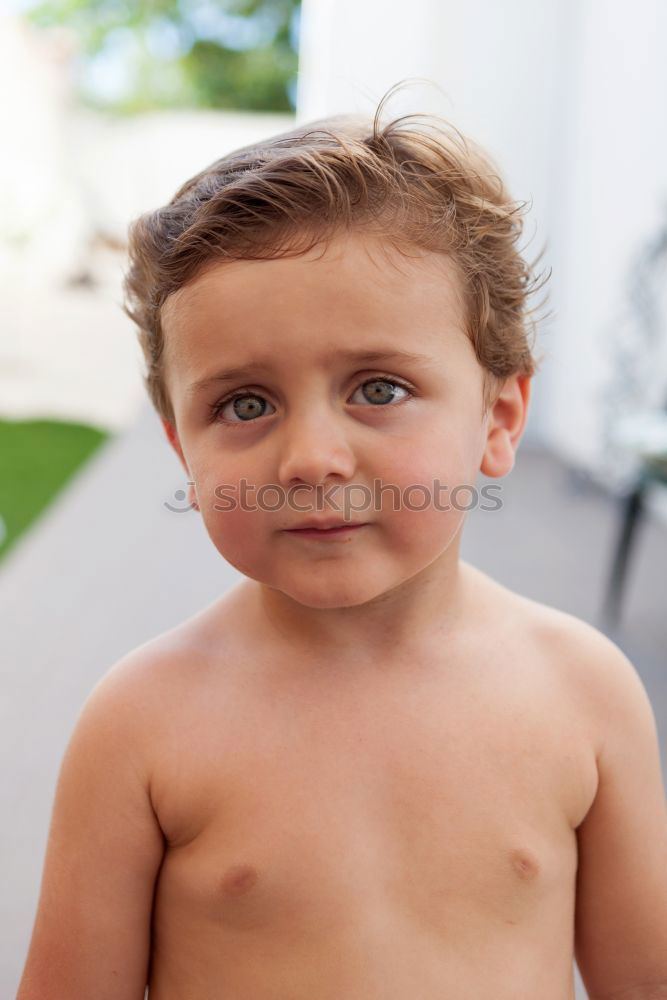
(302, 807)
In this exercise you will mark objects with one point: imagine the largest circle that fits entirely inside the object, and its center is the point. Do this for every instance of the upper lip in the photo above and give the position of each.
(323, 523)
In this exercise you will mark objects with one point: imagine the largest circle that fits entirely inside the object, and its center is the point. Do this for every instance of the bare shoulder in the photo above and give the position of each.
(597, 674)
(592, 662)
(155, 690)
(156, 669)
(570, 637)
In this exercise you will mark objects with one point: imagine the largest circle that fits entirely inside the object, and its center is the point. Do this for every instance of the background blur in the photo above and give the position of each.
(106, 110)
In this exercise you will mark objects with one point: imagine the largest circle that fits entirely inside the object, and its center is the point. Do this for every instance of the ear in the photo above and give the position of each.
(506, 421)
(172, 437)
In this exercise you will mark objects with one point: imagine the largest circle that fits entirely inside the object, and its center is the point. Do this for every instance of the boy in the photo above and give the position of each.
(368, 771)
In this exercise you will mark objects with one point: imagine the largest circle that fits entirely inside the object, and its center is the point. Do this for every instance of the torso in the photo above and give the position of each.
(407, 831)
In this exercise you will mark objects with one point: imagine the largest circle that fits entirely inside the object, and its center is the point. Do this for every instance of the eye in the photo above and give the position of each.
(245, 405)
(382, 391)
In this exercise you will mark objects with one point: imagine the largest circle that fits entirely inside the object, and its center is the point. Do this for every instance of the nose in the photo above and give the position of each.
(314, 448)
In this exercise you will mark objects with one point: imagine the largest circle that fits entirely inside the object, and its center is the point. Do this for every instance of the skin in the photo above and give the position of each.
(400, 576)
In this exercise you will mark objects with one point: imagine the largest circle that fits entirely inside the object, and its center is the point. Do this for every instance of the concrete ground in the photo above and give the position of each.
(110, 566)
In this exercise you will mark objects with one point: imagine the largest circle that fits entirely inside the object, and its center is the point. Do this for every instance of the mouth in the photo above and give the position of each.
(336, 531)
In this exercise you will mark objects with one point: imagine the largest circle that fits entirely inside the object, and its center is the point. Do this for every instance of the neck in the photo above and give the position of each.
(424, 609)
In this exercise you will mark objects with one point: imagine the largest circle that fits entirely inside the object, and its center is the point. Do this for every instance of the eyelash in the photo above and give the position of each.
(217, 408)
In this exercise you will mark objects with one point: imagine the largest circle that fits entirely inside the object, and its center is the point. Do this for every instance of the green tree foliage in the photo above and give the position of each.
(234, 54)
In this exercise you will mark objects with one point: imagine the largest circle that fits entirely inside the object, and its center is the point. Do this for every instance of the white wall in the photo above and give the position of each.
(612, 184)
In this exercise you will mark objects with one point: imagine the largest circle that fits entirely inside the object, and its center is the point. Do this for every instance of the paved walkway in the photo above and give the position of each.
(108, 567)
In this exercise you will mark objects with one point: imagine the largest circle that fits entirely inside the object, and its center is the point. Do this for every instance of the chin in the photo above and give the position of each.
(328, 598)
(329, 593)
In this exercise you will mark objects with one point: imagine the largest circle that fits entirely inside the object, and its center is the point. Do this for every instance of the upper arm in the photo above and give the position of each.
(621, 904)
(91, 936)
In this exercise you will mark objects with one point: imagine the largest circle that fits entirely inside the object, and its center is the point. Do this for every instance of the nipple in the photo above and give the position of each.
(239, 879)
(524, 864)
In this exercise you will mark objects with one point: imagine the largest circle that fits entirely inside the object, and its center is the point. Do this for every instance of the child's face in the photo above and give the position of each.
(307, 420)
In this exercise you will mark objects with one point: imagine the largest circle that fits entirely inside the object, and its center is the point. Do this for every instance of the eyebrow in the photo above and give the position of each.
(228, 375)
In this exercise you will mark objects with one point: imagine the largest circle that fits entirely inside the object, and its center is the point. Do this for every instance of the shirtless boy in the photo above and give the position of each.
(368, 771)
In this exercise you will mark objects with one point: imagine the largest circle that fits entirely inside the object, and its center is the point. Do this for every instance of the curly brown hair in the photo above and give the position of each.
(280, 197)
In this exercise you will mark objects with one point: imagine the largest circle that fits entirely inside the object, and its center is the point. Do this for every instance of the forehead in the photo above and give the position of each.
(354, 291)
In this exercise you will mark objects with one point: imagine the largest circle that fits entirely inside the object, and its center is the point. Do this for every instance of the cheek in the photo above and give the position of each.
(227, 514)
(434, 482)
(235, 533)
(447, 457)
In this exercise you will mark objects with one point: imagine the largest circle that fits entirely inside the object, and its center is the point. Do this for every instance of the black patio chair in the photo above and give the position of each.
(637, 340)
(653, 472)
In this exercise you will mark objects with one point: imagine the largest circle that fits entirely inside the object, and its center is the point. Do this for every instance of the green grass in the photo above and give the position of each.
(37, 458)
